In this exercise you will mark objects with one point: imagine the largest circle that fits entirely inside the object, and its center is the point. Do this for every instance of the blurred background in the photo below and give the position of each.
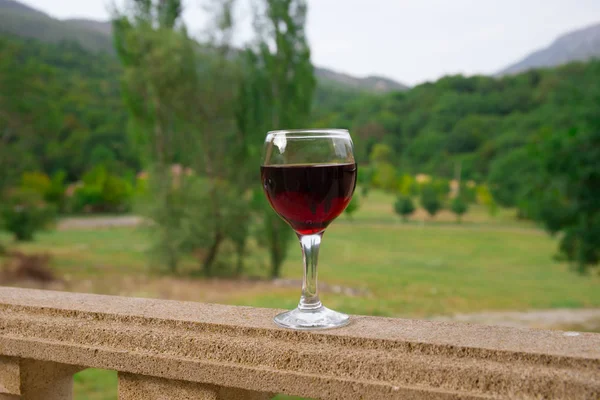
(131, 133)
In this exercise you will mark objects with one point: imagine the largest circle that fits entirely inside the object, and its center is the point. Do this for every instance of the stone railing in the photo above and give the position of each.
(180, 350)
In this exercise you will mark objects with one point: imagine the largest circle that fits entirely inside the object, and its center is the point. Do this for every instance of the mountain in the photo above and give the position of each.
(21, 20)
(370, 83)
(16, 6)
(103, 27)
(579, 45)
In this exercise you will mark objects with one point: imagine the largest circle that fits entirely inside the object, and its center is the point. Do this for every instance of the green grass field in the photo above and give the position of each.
(420, 269)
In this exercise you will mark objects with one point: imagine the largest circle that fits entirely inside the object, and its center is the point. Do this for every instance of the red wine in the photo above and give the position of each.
(309, 197)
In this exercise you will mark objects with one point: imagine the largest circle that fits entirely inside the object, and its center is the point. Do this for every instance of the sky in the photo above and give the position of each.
(411, 41)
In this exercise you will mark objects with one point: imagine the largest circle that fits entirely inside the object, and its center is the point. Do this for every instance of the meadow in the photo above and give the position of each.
(371, 264)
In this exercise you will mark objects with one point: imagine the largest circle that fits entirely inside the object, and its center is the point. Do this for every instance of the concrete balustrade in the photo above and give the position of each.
(182, 350)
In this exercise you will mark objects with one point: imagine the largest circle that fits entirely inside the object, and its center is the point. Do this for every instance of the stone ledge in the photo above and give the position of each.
(239, 347)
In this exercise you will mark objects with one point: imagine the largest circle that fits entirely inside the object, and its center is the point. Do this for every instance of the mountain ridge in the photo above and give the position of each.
(22, 20)
(578, 45)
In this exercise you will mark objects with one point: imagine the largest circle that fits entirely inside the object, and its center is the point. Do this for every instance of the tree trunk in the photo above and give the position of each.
(240, 250)
(212, 255)
(276, 257)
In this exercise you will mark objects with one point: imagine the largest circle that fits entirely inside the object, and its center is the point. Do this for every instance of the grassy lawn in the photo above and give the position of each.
(420, 269)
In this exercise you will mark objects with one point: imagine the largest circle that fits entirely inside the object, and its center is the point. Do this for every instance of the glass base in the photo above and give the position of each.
(319, 318)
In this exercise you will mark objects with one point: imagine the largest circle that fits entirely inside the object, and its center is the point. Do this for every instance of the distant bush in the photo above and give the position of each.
(407, 185)
(24, 212)
(484, 197)
(36, 181)
(459, 207)
(468, 191)
(404, 207)
(430, 199)
(365, 179)
(352, 207)
(52, 189)
(102, 192)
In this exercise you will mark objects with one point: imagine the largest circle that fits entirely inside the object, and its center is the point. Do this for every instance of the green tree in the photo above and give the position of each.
(381, 153)
(385, 177)
(24, 213)
(180, 97)
(365, 179)
(276, 93)
(484, 197)
(511, 176)
(459, 207)
(430, 199)
(352, 207)
(567, 196)
(404, 207)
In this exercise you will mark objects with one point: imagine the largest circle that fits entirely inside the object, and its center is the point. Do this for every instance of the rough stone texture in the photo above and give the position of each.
(10, 381)
(135, 387)
(28, 379)
(240, 347)
(43, 380)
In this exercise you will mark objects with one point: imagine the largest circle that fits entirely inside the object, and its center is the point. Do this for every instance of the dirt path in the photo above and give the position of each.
(562, 318)
(132, 220)
(99, 222)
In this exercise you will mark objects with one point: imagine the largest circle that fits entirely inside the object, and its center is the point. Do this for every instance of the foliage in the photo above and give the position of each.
(352, 207)
(276, 93)
(101, 191)
(511, 176)
(385, 177)
(181, 96)
(407, 185)
(484, 197)
(459, 207)
(23, 213)
(430, 199)
(568, 197)
(365, 179)
(404, 206)
(51, 190)
(58, 105)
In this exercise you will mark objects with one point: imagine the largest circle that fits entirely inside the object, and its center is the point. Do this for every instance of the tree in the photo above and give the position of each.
(276, 93)
(352, 207)
(567, 196)
(24, 213)
(381, 153)
(430, 199)
(511, 176)
(385, 177)
(181, 97)
(404, 207)
(459, 207)
(484, 197)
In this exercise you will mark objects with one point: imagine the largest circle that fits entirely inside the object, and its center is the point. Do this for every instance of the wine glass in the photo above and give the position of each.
(309, 177)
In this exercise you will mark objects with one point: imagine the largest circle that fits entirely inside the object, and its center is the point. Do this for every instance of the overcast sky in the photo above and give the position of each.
(410, 41)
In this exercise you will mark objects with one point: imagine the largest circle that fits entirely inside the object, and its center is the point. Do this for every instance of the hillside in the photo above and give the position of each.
(579, 45)
(21, 20)
(370, 83)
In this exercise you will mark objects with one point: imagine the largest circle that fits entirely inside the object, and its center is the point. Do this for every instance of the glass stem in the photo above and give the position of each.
(310, 256)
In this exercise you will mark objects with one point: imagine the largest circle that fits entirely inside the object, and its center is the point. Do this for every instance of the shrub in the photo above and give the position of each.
(24, 212)
(430, 199)
(51, 190)
(352, 207)
(484, 197)
(404, 207)
(102, 192)
(459, 206)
